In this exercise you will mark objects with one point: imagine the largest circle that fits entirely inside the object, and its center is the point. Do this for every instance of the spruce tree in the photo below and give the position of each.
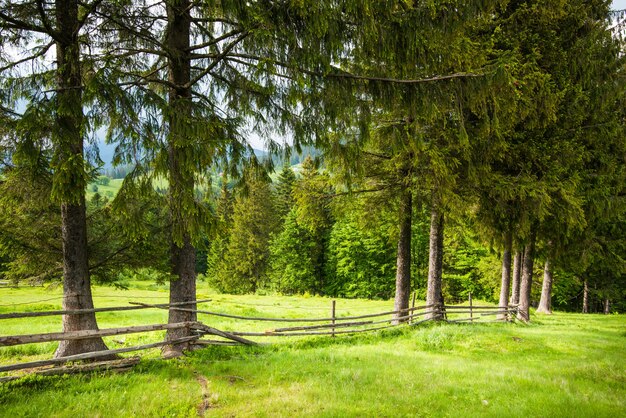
(284, 190)
(55, 91)
(245, 263)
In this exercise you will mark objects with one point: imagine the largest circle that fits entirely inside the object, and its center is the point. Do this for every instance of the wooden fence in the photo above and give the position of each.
(326, 326)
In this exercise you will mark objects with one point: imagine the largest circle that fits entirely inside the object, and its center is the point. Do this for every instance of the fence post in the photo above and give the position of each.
(333, 316)
(412, 311)
(470, 307)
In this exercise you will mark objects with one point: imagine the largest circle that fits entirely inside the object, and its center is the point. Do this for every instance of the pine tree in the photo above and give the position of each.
(284, 191)
(313, 212)
(56, 94)
(292, 265)
(244, 267)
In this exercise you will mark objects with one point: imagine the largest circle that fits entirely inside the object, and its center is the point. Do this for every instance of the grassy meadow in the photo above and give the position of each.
(562, 365)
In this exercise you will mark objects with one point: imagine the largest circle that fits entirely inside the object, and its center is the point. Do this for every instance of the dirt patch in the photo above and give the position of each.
(209, 400)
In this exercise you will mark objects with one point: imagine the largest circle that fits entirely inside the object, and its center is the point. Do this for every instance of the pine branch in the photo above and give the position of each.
(373, 154)
(138, 34)
(347, 75)
(214, 20)
(353, 192)
(249, 64)
(218, 59)
(216, 40)
(46, 24)
(20, 25)
(42, 52)
(90, 8)
(133, 51)
(109, 257)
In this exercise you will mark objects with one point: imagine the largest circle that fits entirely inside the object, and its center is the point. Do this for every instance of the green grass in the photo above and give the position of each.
(562, 365)
(109, 191)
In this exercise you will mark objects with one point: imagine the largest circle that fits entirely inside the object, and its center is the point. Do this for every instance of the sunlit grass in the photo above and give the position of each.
(558, 366)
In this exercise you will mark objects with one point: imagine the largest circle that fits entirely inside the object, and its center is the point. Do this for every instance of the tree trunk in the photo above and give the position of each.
(403, 265)
(517, 273)
(585, 297)
(181, 171)
(506, 274)
(545, 303)
(607, 306)
(434, 295)
(527, 278)
(69, 183)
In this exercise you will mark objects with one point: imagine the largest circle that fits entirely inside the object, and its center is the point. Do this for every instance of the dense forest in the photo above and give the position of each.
(439, 147)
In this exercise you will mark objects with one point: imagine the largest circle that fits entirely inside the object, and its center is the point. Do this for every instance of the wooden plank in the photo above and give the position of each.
(86, 334)
(473, 307)
(91, 355)
(292, 334)
(309, 327)
(95, 310)
(116, 365)
(504, 311)
(252, 318)
(475, 311)
(215, 342)
(332, 313)
(230, 336)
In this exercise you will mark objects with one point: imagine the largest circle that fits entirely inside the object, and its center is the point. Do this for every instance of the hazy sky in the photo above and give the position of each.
(619, 4)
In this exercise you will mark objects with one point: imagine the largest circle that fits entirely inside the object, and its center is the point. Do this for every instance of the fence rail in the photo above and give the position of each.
(324, 326)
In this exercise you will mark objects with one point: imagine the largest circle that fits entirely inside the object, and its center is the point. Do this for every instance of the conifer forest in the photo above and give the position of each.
(385, 150)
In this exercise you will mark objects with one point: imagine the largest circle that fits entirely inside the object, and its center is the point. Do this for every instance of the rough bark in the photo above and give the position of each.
(506, 273)
(434, 295)
(517, 273)
(68, 142)
(607, 306)
(527, 278)
(403, 261)
(545, 303)
(181, 176)
(585, 297)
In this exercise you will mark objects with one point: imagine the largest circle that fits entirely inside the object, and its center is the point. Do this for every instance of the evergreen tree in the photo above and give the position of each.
(292, 266)
(244, 267)
(56, 92)
(313, 212)
(284, 191)
(361, 258)
(219, 240)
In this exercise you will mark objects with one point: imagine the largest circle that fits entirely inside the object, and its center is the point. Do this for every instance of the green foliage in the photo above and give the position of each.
(469, 267)
(284, 191)
(361, 257)
(292, 259)
(245, 260)
(311, 194)
(30, 231)
(30, 226)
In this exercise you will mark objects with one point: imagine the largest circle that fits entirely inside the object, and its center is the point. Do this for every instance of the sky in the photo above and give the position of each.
(619, 4)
